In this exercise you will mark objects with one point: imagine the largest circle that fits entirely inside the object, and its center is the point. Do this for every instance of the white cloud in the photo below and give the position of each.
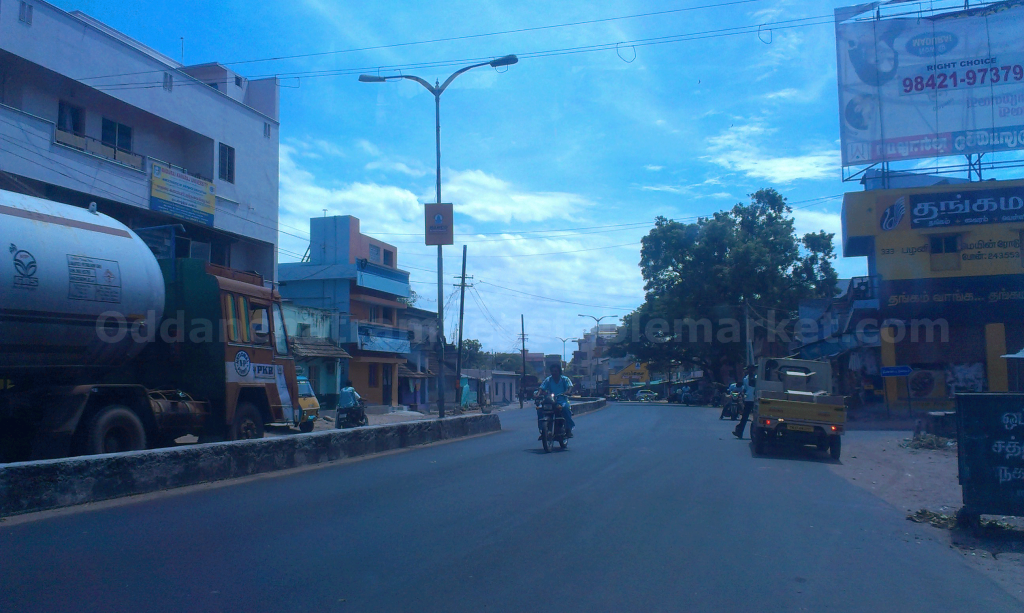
(654, 168)
(486, 198)
(784, 94)
(739, 149)
(400, 167)
(562, 268)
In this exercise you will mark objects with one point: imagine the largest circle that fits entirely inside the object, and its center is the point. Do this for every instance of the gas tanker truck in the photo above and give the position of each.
(103, 348)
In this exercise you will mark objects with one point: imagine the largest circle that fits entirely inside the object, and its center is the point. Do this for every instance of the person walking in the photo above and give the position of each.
(749, 396)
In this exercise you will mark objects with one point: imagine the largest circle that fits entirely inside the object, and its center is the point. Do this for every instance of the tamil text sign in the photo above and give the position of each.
(967, 208)
(948, 84)
(439, 224)
(181, 195)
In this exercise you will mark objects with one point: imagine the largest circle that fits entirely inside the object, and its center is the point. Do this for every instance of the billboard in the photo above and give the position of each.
(439, 224)
(928, 86)
(181, 195)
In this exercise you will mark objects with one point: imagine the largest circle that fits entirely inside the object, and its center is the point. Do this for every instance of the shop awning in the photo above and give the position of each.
(404, 371)
(310, 347)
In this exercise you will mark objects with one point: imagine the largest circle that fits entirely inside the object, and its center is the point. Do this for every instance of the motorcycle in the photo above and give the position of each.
(552, 424)
(352, 417)
(732, 405)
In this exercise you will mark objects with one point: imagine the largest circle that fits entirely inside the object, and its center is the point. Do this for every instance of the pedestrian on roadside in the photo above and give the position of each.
(749, 395)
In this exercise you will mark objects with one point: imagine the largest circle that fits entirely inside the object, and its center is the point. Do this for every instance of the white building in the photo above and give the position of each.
(89, 115)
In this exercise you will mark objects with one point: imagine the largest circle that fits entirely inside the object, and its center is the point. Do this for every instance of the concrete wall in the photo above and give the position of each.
(35, 486)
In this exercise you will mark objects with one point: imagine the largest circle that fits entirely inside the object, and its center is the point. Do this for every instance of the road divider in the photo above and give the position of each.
(27, 487)
(588, 405)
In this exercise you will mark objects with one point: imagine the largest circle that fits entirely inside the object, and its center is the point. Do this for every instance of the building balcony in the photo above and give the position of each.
(382, 278)
(368, 336)
(35, 148)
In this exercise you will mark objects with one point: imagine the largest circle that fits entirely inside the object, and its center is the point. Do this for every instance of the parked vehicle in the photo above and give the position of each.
(352, 417)
(308, 401)
(105, 349)
(646, 396)
(552, 424)
(795, 406)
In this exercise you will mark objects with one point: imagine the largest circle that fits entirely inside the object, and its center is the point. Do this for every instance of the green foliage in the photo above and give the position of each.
(707, 270)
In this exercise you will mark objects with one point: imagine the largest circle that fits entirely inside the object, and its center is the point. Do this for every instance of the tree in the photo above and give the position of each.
(700, 276)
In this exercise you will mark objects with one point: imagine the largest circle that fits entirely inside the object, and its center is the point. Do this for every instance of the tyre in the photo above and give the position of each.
(545, 436)
(757, 436)
(114, 429)
(306, 426)
(835, 446)
(248, 422)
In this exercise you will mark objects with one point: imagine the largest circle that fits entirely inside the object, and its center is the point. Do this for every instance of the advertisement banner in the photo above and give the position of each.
(958, 299)
(439, 224)
(967, 208)
(928, 86)
(181, 195)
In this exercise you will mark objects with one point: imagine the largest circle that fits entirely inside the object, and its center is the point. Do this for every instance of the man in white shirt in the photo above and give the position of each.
(749, 396)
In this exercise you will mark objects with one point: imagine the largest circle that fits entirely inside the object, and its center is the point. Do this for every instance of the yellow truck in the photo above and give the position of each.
(795, 406)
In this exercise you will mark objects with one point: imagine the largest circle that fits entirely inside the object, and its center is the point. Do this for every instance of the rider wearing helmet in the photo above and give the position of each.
(559, 385)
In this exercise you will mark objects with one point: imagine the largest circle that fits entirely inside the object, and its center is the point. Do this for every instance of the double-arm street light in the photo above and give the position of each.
(564, 340)
(597, 320)
(437, 90)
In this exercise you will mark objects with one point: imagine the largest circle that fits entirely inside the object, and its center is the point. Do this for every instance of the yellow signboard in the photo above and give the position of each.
(181, 195)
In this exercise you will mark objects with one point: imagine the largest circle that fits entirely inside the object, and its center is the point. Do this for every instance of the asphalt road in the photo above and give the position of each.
(652, 508)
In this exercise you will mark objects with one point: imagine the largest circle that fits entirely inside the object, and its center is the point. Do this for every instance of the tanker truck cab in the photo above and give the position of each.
(254, 383)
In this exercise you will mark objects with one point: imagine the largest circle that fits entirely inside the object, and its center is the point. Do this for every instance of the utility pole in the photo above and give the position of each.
(462, 313)
(746, 323)
(437, 89)
(522, 381)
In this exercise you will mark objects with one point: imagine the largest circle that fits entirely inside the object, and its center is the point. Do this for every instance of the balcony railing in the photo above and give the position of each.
(96, 147)
(374, 337)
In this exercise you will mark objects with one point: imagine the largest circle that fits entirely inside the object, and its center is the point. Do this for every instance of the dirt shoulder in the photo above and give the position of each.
(924, 479)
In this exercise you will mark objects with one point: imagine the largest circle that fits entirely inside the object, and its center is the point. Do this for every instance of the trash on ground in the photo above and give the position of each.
(928, 441)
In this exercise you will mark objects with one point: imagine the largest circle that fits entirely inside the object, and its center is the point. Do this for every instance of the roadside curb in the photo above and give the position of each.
(582, 408)
(27, 487)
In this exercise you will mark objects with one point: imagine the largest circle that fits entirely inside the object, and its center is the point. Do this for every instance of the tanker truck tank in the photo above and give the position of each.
(74, 286)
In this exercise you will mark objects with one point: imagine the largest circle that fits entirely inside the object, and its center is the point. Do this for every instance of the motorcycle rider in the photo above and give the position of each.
(559, 385)
(348, 399)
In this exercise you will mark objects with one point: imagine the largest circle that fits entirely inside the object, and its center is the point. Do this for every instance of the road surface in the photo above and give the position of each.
(652, 508)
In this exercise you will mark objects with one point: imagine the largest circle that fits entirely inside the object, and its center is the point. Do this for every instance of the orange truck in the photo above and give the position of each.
(104, 348)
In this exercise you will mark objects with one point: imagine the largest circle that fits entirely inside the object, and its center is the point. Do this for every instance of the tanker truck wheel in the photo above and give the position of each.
(248, 422)
(114, 429)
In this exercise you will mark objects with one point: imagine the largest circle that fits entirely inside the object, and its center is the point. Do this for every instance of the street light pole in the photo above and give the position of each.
(563, 345)
(437, 90)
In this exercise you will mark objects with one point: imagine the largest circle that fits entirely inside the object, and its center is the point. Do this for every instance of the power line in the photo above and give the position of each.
(641, 42)
(556, 299)
(448, 38)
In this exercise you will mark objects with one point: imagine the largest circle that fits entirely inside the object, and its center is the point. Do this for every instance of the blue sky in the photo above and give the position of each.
(561, 142)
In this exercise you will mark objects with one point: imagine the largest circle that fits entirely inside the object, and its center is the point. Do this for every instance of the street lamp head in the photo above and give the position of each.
(369, 78)
(508, 60)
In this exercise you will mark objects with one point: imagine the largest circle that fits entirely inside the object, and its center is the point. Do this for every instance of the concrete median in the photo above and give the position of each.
(49, 484)
(587, 405)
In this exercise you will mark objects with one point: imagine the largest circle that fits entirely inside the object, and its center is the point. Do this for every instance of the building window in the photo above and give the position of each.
(70, 118)
(302, 330)
(168, 81)
(226, 163)
(371, 370)
(389, 257)
(375, 253)
(25, 13)
(266, 130)
(214, 85)
(116, 135)
(374, 314)
(945, 252)
(238, 81)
